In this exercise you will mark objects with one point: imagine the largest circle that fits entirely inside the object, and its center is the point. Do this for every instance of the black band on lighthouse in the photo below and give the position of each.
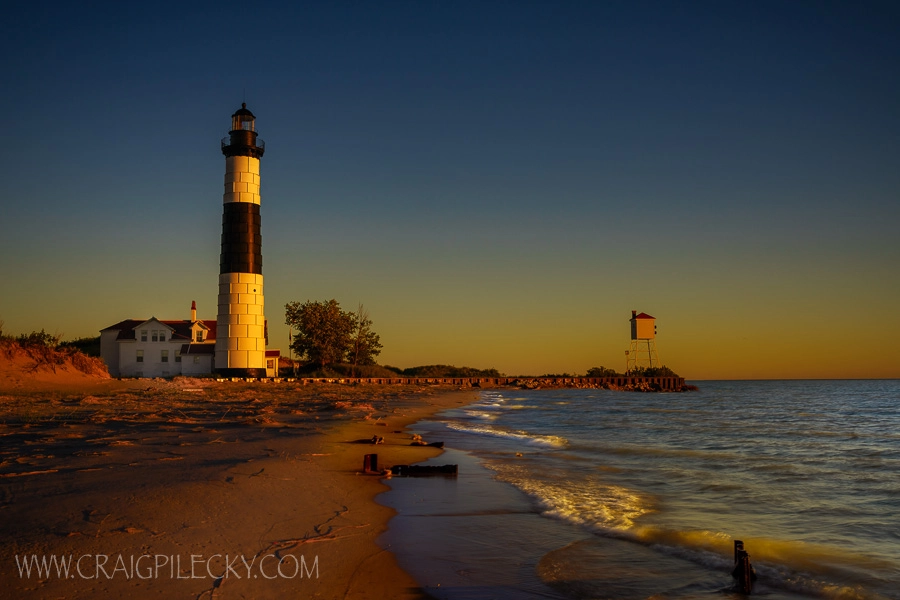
(241, 239)
(243, 143)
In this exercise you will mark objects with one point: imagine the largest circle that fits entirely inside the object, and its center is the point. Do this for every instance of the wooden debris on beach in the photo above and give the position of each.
(743, 572)
(431, 444)
(370, 463)
(424, 470)
(418, 441)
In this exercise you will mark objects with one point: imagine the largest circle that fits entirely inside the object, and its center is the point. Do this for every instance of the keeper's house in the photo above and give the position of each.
(155, 348)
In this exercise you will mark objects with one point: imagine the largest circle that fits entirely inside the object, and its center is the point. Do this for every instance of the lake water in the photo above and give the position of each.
(601, 494)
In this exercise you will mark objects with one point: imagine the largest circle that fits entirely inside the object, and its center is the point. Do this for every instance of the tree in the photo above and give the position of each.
(90, 346)
(366, 344)
(324, 331)
(601, 372)
(662, 371)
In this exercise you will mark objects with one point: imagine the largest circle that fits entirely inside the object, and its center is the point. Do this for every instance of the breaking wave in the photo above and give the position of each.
(523, 436)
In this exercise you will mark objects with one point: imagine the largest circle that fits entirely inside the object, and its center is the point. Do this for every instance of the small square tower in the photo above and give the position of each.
(642, 353)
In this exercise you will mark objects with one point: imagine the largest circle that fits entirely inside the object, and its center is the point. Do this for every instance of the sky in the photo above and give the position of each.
(499, 183)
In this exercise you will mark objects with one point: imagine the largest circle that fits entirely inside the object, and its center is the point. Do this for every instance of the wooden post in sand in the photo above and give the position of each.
(743, 573)
(370, 463)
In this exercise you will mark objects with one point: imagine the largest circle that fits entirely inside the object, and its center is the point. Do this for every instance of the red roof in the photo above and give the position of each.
(180, 329)
(643, 316)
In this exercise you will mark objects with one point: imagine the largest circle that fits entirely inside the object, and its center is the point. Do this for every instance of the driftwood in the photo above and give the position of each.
(424, 470)
(432, 444)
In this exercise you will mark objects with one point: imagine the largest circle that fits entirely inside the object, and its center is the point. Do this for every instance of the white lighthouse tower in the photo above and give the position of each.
(643, 343)
(240, 335)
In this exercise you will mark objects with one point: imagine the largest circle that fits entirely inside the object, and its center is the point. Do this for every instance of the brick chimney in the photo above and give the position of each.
(193, 311)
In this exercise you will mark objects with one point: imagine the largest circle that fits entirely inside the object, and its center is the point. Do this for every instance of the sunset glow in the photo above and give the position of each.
(500, 184)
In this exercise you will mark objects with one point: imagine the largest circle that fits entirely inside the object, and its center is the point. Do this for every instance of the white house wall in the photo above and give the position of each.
(152, 365)
(196, 364)
(109, 351)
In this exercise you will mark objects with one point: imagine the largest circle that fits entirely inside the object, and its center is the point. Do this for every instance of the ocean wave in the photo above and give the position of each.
(614, 511)
(524, 436)
(480, 414)
(673, 452)
(592, 503)
(789, 565)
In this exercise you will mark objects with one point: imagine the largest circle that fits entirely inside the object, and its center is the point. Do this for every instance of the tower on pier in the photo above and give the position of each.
(241, 339)
(642, 353)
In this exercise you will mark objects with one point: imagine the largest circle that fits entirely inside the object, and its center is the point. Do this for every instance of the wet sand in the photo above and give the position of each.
(198, 489)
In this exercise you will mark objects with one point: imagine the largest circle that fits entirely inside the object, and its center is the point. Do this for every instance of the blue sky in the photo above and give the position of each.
(500, 183)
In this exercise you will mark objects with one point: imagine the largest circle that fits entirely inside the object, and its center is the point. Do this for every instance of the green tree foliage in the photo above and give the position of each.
(602, 371)
(37, 339)
(327, 335)
(89, 346)
(324, 331)
(366, 344)
(444, 371)
(662, 371)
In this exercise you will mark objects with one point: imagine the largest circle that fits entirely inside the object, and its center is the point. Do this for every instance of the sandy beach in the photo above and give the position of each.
(196, 489)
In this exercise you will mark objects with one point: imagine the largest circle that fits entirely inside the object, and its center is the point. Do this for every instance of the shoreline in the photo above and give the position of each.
(225, 490)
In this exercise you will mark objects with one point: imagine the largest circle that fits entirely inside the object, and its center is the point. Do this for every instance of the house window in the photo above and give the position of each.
(143, 335)
(178, 356)
(164, 356)
(140, 356)
(199, 336)
(162, 335)
(155, 335)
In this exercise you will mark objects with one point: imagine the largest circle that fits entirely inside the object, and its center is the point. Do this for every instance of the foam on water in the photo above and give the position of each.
(500, 432)
(480, 414)
(614, 511)
(803, 472)
(608, 508)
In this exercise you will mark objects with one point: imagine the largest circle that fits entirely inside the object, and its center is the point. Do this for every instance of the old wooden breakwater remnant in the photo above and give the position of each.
(371, 467)
(743, 572)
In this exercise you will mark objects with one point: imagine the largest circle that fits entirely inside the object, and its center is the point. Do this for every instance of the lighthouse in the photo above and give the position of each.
(240, 335)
